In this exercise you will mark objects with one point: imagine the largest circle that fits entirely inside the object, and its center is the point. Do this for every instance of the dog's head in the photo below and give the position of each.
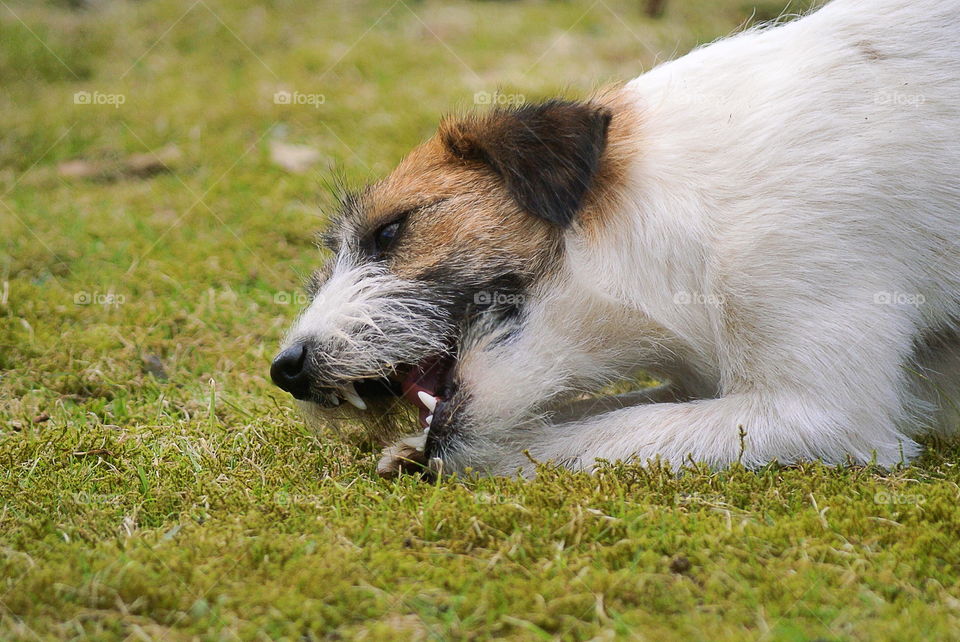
(448, 245)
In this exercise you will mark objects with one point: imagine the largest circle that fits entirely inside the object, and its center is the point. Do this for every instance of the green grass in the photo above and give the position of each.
(153, 484)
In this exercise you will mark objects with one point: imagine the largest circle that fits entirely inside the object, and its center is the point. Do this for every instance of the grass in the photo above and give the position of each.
(154, 485)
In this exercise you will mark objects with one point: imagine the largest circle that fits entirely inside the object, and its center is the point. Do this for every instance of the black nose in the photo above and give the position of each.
(289, 370)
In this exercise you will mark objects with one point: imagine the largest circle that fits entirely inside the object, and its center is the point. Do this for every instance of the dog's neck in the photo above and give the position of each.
(640, 245)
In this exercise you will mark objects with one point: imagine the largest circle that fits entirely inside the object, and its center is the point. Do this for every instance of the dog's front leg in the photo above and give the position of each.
(749, 429)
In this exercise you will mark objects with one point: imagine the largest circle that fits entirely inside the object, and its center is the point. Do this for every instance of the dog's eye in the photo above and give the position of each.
(385, 237)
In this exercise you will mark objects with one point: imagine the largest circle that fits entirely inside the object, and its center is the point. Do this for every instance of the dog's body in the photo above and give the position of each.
(770, 223)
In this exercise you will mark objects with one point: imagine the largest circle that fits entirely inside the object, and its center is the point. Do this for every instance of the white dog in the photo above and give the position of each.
(770, 224)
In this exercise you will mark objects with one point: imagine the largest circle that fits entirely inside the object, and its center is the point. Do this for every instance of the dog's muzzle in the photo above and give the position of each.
(295, 370)
(298, 370)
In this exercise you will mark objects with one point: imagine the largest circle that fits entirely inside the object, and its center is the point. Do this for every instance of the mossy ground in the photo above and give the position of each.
(153, 484)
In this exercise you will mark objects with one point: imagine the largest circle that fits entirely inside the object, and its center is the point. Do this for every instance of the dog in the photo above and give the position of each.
(769, 225)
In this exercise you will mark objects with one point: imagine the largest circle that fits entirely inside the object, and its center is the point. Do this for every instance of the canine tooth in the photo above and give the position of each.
(427, 400)
(336, 400)
(429, 419)
(350, 394)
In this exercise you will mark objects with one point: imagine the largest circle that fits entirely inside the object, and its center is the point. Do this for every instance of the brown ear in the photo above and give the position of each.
(547, 154)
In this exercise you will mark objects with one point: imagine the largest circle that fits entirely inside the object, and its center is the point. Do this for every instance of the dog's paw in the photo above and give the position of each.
(405, 456)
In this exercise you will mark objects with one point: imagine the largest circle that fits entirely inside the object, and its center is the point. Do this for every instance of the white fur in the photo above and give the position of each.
(788, 239)
(369, 321)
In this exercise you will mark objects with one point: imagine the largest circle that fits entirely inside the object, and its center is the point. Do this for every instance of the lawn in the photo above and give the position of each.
(164, 167)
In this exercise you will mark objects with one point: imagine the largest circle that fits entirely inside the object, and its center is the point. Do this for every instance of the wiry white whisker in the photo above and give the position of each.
(369, 321)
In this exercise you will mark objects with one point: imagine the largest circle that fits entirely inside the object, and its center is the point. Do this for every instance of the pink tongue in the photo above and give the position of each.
(423, 378)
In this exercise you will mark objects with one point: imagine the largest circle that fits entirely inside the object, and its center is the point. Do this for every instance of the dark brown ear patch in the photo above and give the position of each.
(547, 154)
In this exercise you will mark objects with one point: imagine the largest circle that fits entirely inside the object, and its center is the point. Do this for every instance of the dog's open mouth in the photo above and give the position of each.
(424, 385)
(428, 384)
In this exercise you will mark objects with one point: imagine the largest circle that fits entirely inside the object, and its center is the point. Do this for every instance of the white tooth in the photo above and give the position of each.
(350, 394)
(429, 419)
(336, 400)
(427, 400)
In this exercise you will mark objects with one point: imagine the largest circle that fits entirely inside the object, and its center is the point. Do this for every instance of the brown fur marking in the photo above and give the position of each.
(459, 210)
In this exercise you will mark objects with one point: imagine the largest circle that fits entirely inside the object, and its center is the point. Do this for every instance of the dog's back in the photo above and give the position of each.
(829, 145)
